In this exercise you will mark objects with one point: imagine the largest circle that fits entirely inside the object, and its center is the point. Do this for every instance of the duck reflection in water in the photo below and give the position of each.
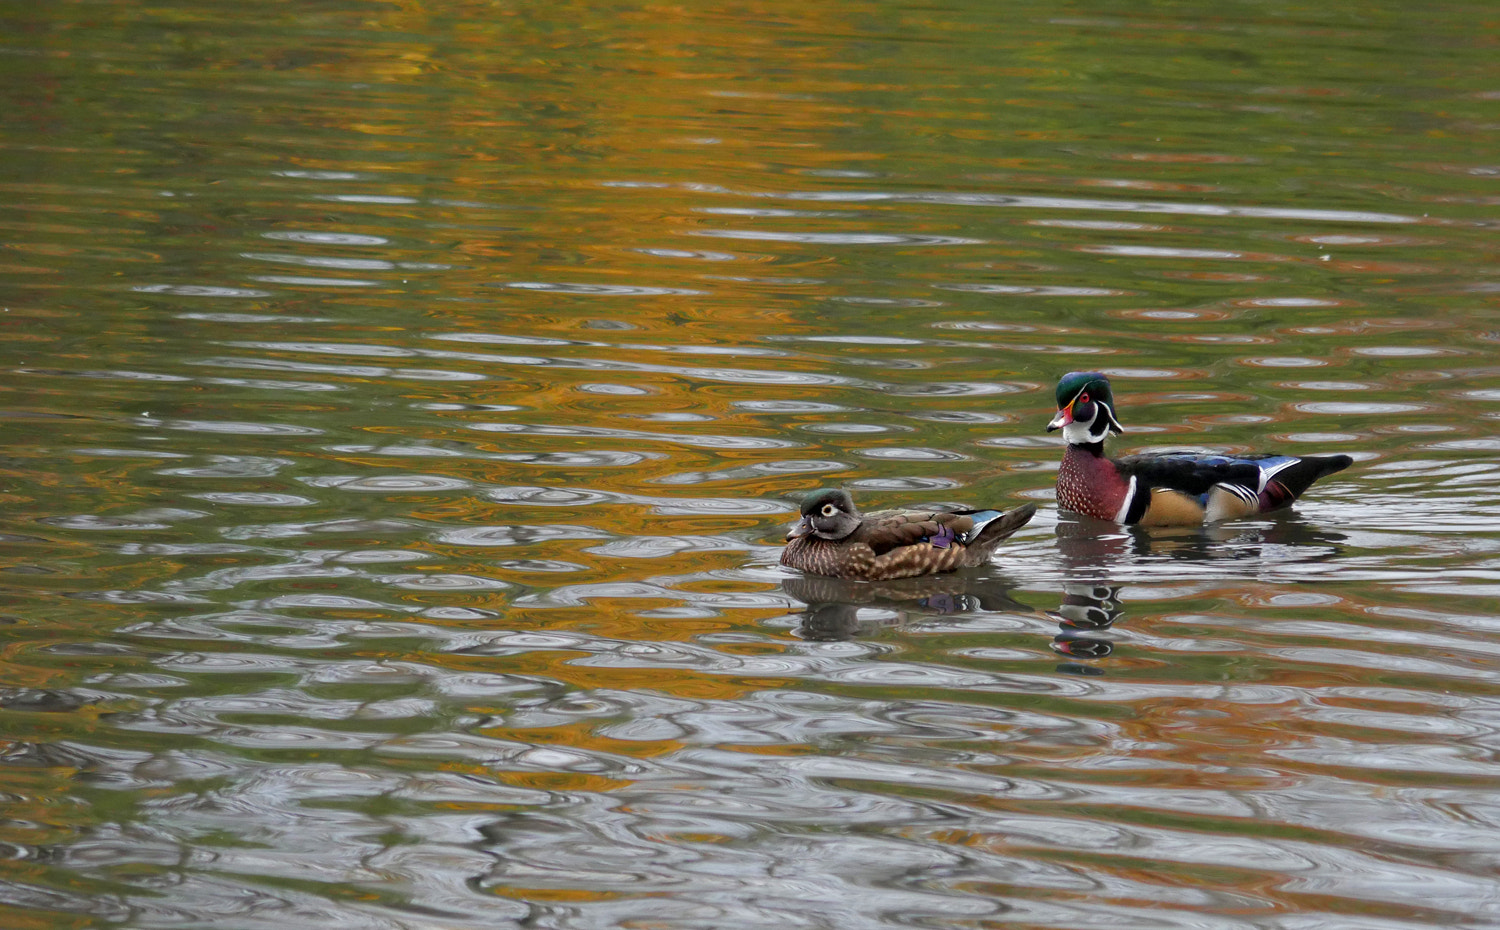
(1087, 607)
(1093, 548)
(839, 610)
(1090, 551)
(1096, 556)
(842, 610)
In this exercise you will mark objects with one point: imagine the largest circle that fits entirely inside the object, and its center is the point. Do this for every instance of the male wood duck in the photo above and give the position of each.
(1166, 488)
(834, 538)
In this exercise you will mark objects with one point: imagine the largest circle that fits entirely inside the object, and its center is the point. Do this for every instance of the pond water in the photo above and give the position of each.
(404, 403)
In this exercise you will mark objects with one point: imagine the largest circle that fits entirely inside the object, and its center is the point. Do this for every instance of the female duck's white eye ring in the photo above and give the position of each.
(829, 510)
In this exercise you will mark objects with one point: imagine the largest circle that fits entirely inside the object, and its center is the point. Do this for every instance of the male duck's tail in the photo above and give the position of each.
(1298, 477)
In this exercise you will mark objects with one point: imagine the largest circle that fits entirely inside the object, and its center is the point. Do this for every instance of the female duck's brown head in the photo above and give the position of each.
(827, 515)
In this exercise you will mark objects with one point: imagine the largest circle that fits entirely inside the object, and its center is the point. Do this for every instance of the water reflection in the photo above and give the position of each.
(1097, 560)
(1086, 609)
(837, 609)
(1095, 552)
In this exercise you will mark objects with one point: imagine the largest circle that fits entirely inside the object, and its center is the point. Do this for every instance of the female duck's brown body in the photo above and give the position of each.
(834, 538)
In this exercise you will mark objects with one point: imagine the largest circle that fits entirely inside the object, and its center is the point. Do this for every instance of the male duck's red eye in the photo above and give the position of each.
(1083, 398)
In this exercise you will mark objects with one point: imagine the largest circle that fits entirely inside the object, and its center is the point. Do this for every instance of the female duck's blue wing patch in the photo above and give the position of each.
(981, 519)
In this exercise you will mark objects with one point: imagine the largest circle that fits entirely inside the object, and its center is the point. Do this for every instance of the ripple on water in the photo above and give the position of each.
(884, 302)
(578, 497)
(344, 526)
(378, 483)
(159, 518)
(1033, 290)
(201, 290)
(1284, 361)
(693, 254)
(1403, 351)
(549, 497)
(379, 556)
(1327, 385)
(131, 453)
(751, 472)
(321, 261)
(601, 290)
(325, 238)
(511, 339)
(791, 406)
(1315, 437)
(950, 389)
(852, 429)
(550, 566)
(254, 499)
(487, 536)
(304, 281)
(443, 582)
(987, 326)
(1357, 408)
(1290, 302)
(684, 439)
(232, 427)
(655, 547)
(911, 454)
(836, 238)
(853, 340)
(905, 484)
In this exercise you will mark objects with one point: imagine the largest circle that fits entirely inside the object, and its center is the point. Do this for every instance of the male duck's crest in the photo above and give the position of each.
(1085, 408)
(1166, 488)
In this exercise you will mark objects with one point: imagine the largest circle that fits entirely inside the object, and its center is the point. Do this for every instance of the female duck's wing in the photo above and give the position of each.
(885, 530)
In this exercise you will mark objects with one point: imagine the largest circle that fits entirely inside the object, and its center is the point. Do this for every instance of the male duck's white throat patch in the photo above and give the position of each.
(1081, 434)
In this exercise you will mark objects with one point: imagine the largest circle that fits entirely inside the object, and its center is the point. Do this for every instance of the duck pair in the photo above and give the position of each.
(1153, 489)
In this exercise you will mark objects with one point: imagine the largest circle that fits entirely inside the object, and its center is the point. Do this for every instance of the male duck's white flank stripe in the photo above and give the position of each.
(1124, 510)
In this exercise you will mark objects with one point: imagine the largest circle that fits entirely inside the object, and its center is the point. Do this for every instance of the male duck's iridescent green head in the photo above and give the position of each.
(1085, 408)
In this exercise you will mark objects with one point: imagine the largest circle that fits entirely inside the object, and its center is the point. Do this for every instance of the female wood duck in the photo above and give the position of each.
(834, 538)
(1166, 488)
